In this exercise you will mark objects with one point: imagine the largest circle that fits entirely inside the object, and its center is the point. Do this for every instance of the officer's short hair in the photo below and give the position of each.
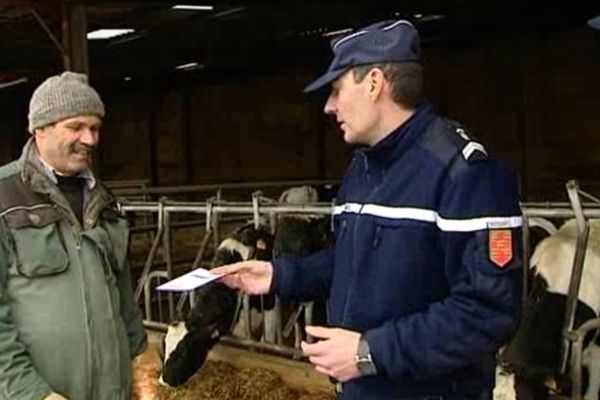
(405, 78)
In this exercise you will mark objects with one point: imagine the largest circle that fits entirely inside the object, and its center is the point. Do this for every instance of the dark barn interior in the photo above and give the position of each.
(523, 76)
(210, 99)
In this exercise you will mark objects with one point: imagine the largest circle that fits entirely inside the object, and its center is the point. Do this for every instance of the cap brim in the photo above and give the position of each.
(323, 80)
(594, 22)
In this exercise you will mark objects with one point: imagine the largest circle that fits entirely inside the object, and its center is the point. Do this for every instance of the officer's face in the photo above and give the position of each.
(68, 144)
(353, 109)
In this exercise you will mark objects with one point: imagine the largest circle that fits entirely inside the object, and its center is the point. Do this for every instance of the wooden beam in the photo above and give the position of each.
(75, 37)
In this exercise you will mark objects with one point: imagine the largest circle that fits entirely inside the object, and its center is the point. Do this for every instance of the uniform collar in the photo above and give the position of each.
(400, 139)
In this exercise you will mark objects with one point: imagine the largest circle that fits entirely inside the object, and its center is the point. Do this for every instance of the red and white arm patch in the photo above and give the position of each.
(500, 247)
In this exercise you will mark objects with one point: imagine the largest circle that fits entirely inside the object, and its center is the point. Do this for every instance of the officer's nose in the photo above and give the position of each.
(330, 106)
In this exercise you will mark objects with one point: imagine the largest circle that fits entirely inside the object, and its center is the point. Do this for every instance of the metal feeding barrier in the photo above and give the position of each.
(214, 210)
(573, 337)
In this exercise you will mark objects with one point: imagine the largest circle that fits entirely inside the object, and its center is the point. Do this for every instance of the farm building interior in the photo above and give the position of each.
(521, 75)
(213, 96)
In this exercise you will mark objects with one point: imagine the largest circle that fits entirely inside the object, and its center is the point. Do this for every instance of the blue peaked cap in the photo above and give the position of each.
(385, 41)
(594, 22)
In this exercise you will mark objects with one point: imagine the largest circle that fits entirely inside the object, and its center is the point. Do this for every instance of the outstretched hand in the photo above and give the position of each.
(251, 277)
(334, 353)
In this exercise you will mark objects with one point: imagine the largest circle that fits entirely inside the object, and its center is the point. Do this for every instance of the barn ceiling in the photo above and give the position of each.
(246, 35)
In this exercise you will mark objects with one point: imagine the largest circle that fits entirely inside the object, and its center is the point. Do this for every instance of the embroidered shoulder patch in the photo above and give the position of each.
(500, 247)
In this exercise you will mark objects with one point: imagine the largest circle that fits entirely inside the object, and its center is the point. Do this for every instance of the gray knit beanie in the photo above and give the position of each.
(63, 96)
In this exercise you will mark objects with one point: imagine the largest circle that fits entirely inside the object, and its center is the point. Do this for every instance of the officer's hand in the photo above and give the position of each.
(55, 396)
(335, 353)
(252, 277)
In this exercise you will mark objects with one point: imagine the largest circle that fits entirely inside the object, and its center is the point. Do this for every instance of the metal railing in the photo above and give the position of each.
(213, 209)
(581, 212)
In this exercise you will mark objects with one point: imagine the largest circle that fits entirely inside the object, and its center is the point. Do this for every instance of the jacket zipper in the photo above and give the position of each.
(377, 238)
(354, 247)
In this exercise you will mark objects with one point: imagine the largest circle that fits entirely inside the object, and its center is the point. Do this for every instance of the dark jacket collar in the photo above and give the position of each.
(400, 139)
(34, 176)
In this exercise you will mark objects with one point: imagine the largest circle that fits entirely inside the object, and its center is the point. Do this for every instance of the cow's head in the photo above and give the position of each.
(301, 235)
(187, 343)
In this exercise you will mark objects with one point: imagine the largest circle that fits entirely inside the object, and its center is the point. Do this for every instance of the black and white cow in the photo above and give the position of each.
(187, 343)
(534, 353)
(302, 235)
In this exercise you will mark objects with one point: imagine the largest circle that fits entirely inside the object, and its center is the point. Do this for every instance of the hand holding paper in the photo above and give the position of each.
(190, 281)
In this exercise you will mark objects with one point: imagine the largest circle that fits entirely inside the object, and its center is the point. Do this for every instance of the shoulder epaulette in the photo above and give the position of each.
(471, 150)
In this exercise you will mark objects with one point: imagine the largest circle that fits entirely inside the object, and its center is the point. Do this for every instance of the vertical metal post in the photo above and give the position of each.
(168, 260)
(576, 359)
(256, 208)
(526, 256)
(577, 271)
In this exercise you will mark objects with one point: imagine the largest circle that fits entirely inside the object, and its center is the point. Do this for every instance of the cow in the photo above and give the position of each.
(535, 351)
(188, 342)
(302, 235)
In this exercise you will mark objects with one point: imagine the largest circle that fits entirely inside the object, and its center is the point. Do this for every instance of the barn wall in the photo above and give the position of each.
(259, 129)
(530, 98)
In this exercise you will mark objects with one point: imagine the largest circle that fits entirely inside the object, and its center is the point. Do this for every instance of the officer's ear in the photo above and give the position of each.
(376, 81)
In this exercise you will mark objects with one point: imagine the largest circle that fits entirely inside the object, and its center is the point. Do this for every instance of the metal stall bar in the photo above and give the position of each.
(573, 339)
(577, 338)
(166, 190)
(243, 343)
(168, 260)
(148, 293)
(583, 230)
(166, 208)
(560, 212)
(159, 208)
(256, 210)
(208, 234)
(526, 254)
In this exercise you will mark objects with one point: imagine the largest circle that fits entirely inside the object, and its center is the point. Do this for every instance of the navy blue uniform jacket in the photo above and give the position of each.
(426, 261)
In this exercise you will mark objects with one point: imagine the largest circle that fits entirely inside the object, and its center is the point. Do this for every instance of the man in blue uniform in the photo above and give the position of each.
(423, 281)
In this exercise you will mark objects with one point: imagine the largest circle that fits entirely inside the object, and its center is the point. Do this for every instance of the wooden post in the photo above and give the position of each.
(75, 37)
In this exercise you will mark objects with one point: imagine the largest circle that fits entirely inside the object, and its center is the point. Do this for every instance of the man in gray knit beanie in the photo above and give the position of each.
(63, 96)
(69, 326)
(65, 115)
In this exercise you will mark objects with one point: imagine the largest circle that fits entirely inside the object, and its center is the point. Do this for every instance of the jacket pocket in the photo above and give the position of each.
(389, 230)
(38, 243)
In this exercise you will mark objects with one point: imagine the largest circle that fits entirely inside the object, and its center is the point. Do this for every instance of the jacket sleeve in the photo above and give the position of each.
(130, 311)
(480, 238)
(303, 277)
(18, 378)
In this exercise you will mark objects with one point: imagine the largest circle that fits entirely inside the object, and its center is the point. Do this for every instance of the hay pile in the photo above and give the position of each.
(218, 380)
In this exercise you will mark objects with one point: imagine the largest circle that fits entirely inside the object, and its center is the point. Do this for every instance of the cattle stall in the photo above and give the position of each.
(215, 210)
(541, 215)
